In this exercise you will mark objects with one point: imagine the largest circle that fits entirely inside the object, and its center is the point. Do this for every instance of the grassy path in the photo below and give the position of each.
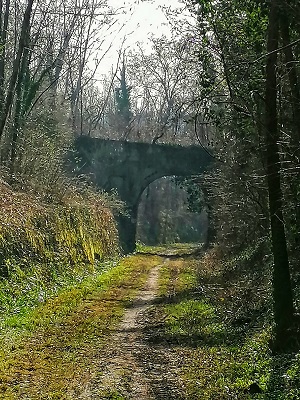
(58, 348)
(151, 328)
(134, 368)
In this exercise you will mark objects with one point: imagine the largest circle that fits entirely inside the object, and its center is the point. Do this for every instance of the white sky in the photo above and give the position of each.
(137, 20)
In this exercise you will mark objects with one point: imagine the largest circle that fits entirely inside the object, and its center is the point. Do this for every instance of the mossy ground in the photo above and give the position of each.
(219, 350)
(224, 353)
(52, 351)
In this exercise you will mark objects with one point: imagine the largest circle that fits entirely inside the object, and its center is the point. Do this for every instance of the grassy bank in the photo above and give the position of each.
(221, 329)
(45, 247)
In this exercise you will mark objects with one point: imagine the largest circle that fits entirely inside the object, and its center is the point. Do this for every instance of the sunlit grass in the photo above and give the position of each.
(22, 292)
(220, 360)
(180, 277)
(52, 351)
(191, 318)
(112, 395)
(169, 248)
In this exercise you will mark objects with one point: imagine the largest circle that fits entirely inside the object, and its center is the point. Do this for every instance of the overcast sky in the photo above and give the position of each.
(136, 22)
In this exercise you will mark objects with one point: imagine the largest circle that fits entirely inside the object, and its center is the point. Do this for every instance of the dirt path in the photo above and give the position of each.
(131, 367)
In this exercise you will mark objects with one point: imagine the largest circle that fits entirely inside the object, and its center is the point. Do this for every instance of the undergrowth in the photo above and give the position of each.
(48, 214)
(80, 230)
(218, 318)
(26, 290)
(46, 247)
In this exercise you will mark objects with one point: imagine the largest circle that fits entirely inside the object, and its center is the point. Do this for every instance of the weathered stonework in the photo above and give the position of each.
(129, 167)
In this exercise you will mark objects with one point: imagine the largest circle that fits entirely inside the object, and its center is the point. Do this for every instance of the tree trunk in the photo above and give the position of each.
(282, 291)
(16, 66)
(292, 74)
(211, 232)
(291, 69)
(3, 38)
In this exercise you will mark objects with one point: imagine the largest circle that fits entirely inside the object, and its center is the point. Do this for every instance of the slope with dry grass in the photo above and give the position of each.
(45, 247)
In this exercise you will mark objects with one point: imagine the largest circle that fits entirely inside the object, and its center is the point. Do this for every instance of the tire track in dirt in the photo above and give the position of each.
(131, 367)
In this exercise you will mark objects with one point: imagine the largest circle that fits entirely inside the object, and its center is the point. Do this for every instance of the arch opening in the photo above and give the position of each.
(164, 216)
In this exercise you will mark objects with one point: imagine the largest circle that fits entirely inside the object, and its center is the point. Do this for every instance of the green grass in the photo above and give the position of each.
(170, 248)
(51, 350)
(192, 318)
(24, 291)
(49, 347)
(221, 356)
(112, 395)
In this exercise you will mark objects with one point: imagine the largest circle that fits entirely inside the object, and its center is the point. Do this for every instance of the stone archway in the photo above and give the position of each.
(129, 167)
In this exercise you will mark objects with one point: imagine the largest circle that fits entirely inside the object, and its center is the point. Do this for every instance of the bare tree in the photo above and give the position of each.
(166, 90)
(50, 39)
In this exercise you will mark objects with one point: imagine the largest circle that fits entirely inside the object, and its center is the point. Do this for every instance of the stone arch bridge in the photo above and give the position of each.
(129, 167)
